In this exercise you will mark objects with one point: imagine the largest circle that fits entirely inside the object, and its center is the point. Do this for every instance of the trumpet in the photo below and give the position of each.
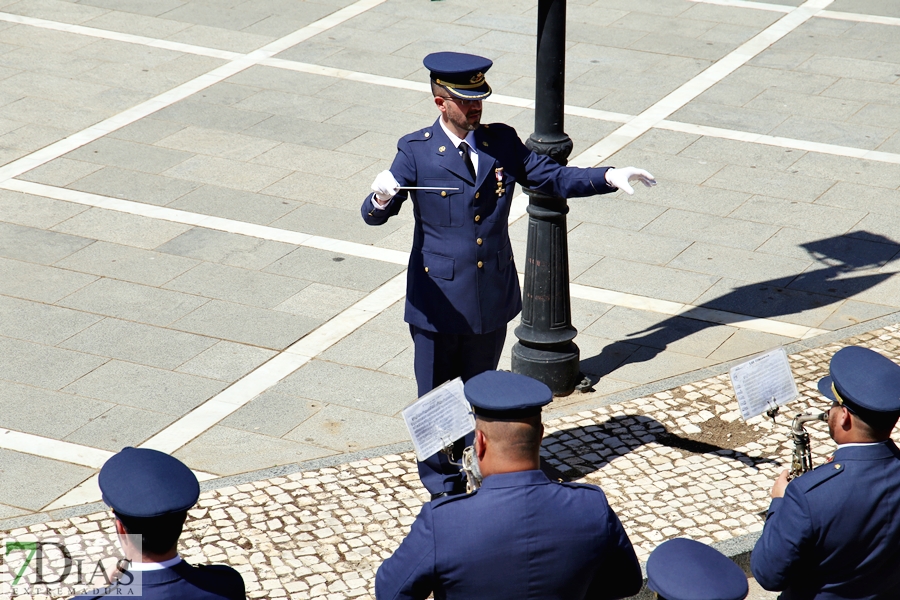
(801, 462)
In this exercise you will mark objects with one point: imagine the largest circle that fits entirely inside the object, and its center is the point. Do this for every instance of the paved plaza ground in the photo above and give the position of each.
(183, 265)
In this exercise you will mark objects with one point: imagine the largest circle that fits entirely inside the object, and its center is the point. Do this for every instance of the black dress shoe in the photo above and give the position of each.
(439, 495)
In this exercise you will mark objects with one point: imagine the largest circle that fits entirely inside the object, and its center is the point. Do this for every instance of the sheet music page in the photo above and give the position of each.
(439, 418)
(763, 382)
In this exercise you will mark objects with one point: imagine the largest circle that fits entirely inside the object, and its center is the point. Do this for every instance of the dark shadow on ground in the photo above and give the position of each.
(839, 257)
(632, 432)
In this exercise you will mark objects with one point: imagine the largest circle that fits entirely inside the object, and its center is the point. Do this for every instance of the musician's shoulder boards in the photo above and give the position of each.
(819, 475)
(448, 499)
(422, 135)
(585, 486)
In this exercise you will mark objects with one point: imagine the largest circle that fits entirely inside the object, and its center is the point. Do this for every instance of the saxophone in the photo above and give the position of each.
(468, 465)
(801, 461)
(470, 468)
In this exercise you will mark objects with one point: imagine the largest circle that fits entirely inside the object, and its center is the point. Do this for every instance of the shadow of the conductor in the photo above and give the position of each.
(589, 449)
(834, 280)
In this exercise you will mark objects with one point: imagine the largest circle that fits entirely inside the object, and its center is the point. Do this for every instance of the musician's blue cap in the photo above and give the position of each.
(505, 395)
(682, 569)
(462, 75)
(143, 483)
(865, 382)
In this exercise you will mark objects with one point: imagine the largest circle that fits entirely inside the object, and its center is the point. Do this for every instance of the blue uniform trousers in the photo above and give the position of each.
(440, 357)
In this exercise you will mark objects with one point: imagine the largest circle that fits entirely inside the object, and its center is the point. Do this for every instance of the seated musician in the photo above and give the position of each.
(519, 535)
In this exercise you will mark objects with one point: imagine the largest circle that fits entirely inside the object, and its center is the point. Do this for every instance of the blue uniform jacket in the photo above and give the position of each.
(519, 536)
(458, 230)
(185, 582)
(836, 532)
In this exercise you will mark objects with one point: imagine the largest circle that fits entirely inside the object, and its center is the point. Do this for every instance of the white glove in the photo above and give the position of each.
(619, 178)
(385, 186)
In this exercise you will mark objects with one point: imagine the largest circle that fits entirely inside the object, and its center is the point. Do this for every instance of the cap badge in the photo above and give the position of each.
(477, 78)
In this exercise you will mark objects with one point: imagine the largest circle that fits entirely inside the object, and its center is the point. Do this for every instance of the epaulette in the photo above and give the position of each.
(448, 499)
(573, 484)
(818, 476)
(497, 128)
(422, 135)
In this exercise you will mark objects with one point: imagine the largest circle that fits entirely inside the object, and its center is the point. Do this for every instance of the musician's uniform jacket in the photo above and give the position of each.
(462, 278)
(836, 532)
(519, 536)
(180, 582)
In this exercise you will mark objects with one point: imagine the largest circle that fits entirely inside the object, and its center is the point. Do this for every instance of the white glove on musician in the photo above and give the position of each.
(620, 178)
(385, 188)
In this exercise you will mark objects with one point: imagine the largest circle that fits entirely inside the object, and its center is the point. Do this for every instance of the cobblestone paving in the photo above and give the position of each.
(680, 463)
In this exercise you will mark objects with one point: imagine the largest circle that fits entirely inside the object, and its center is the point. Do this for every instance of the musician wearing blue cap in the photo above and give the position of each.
(519, 535)
(683, 569)
(834, 532)
(150, 493)
(462, 286)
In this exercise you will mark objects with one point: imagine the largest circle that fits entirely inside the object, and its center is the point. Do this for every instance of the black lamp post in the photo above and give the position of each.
(545, 350)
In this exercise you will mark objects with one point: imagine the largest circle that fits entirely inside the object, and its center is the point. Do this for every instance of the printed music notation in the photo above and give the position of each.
(439, 418)
(764, 382)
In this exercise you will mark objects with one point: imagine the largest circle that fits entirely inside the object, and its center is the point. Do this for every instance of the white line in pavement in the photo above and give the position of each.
(120, 37)
(713, 74)
(217, 223)
(211, 412)
(50, 448)
(521, 201)
(781, 142)
(689, 311)
(77, 454)
(94, 132)
(292, 358)
(386, 255)
(859, 18)
(748, 4)
(825, 14)
(425, 88)
(89, 491)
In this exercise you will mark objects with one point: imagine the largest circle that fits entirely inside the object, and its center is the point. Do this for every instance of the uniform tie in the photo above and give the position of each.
(464, 152)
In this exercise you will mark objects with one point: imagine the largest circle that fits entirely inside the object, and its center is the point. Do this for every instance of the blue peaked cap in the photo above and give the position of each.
(462, 75)
(682, 569)
(866, 382)
(505, 395)
(143, 483)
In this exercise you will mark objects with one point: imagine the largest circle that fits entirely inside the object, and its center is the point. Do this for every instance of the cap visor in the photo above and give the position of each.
(825, 388)
(479, 93)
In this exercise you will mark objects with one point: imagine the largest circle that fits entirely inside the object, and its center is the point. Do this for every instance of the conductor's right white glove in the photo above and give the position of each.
(620, 178)
(385, 186)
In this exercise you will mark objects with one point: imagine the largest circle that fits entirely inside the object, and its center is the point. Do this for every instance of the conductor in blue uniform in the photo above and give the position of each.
(462, 286)
(519, 535)
(150, 493)
(834, 532)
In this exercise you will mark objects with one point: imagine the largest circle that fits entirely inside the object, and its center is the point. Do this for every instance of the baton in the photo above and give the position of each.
(412, 187)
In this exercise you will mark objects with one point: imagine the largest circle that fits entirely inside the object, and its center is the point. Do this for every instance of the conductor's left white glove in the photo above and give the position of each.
(620, 178)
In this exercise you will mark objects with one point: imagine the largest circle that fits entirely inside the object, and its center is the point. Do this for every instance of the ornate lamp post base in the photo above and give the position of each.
(556, 367)
(545, 350)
